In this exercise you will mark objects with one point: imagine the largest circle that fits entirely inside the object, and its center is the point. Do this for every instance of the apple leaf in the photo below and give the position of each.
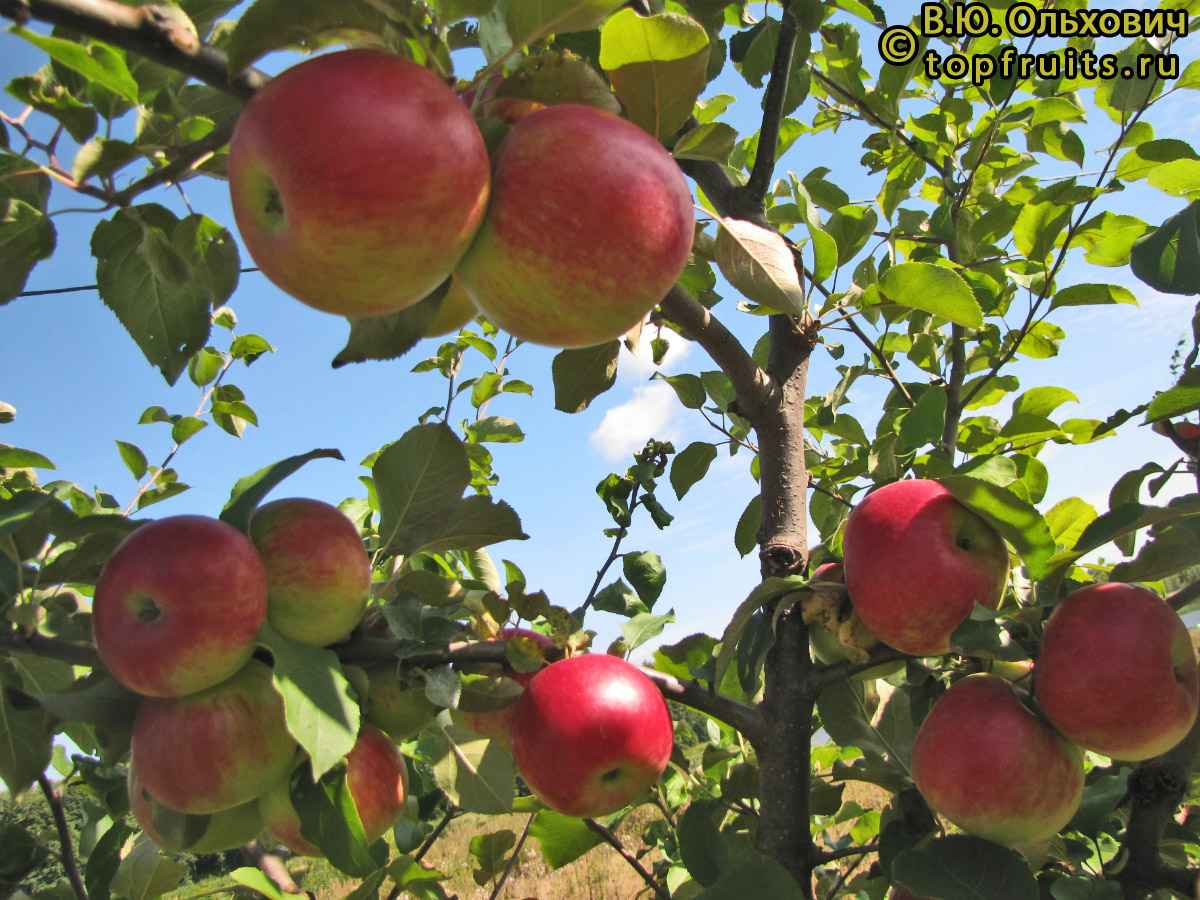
(476, 773)
(647, 575)
(268, 25)
(550, 77)
(750, 874)
(1068, 518)
(329, 820)
(657, 66)
(98, 63)
(257, 880)
(1168, 552)
(25, 736)
(563, 839)
(419, 480)
(760, 265)
(490, 850)
(848, 718)
(318, 701)
(529, 20)
(250, 491)
(474, 522)
(644, 627)
(768, 591)
(147, 873)
(690, 465)
(1092, 295)
(961, 867)
(1183, 398)
(1017, 520)
(711, 141)
(934, 289)
(27, 234)
(392, 335)
(702, 847)
(1168, 258)
(581, 375)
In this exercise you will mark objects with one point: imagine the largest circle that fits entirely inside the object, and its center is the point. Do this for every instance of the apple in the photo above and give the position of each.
(827, 634)
(377, 778)
(174, 830)
(917, 561)
(396, 702)
(457, 310)
(358, 180)
(215, 749)
(494, 723)
(318, 571)
(1116, 671)
(178, 604)
(589, 226)
(1189, 431)
(589, 734)
(989, 764)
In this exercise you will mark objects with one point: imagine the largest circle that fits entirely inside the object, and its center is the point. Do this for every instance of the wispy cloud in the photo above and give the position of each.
(652, 412)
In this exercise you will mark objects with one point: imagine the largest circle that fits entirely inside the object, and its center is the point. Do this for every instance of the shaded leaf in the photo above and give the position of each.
(760, 265)
(961, 867)
(581, 375)
(250, 491)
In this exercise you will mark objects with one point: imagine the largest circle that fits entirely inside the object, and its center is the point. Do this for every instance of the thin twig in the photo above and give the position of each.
(512, 860)
(613, 841)
(69, 861)
(768, 136)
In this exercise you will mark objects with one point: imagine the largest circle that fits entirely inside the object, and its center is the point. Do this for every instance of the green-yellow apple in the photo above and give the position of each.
(174, 830)
(589, 734)
(215, 749)
(589, 226)
(834, 638)
(318, 571)
(494, 723)
(377, 778)
(457, 310)
(989, 764)
(396, 701)
(358, 180)
(1116, 672)
(917, 561)
(178, 604)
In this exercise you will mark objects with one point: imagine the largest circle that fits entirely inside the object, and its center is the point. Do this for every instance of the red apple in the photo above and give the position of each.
(318, 571)
(215, 749)
(589, 734)
(358, 180)
(826, 635)
(991, 766)
(494, 723)
(178, 604)
(174, 830)
(1189, 431)
(1116, 672)
(377, 778)
(396, 701)
(917, 561)
(590, 225)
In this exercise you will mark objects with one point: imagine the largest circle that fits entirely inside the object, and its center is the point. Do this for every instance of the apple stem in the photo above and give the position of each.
(70, 863)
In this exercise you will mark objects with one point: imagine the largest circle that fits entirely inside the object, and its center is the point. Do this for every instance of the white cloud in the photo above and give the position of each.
(652, 412)
(640, 366)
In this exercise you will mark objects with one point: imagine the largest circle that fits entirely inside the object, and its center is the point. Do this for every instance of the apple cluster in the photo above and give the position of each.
(1115, 673)
(176, 614)
(361, 182)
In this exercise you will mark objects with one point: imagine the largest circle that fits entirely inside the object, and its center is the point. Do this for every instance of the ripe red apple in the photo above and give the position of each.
(396, 702)
(377, 778)
(178, 604)
(1116, 672)
(174, 830)
(827, 643)
(358, 180)
(215, 749)
(589, 734)
(991, 766)
(494, 724)
(1189, 431)
(589, 226)
(318, 571)
(917, 561)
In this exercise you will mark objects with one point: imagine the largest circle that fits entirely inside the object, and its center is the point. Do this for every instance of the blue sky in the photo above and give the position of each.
(78, 383)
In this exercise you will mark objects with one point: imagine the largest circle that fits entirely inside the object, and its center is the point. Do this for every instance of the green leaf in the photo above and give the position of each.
(551, 77)
(688, 388)
(419, 480)
(1180, 178)
(496, 430)
(1017, 520)
(563, 839)
(848, 717)
(961, 867)
(690, 465)
(134, 459)
(1092, 295)
(474, 522)
(646, 574)
(1067, 520)
(27, 234)
(147, 873)
(710, 141)
(1041, 401)
(923, 424)
(490, 850)
(581, 375)
(187, 427)
(1140, 161)
(257, 880)
(1168, 258)
(934, 289)
(476, 773)
(97, 63)
(268, 25)
(150, 285)
(851, 227)
(644, 627)
(25, 737)
(759, 264)
(745, 535)
(656, 65)
(392, 335)
(249, 491)
(1044, 217)
(528, 20)
(702, 847)
(16, 458)
(318, 701)
(750, 874)
(1179, 400)
(1167, 553)
(20, 854)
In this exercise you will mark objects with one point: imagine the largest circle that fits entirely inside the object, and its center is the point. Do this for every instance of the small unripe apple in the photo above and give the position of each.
(358, 180)
(396, 701)
(917, 561)
(215, 749)
(989, 764)
(318, 571)
(1116, 671)
(590, 733)
(178, 604)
